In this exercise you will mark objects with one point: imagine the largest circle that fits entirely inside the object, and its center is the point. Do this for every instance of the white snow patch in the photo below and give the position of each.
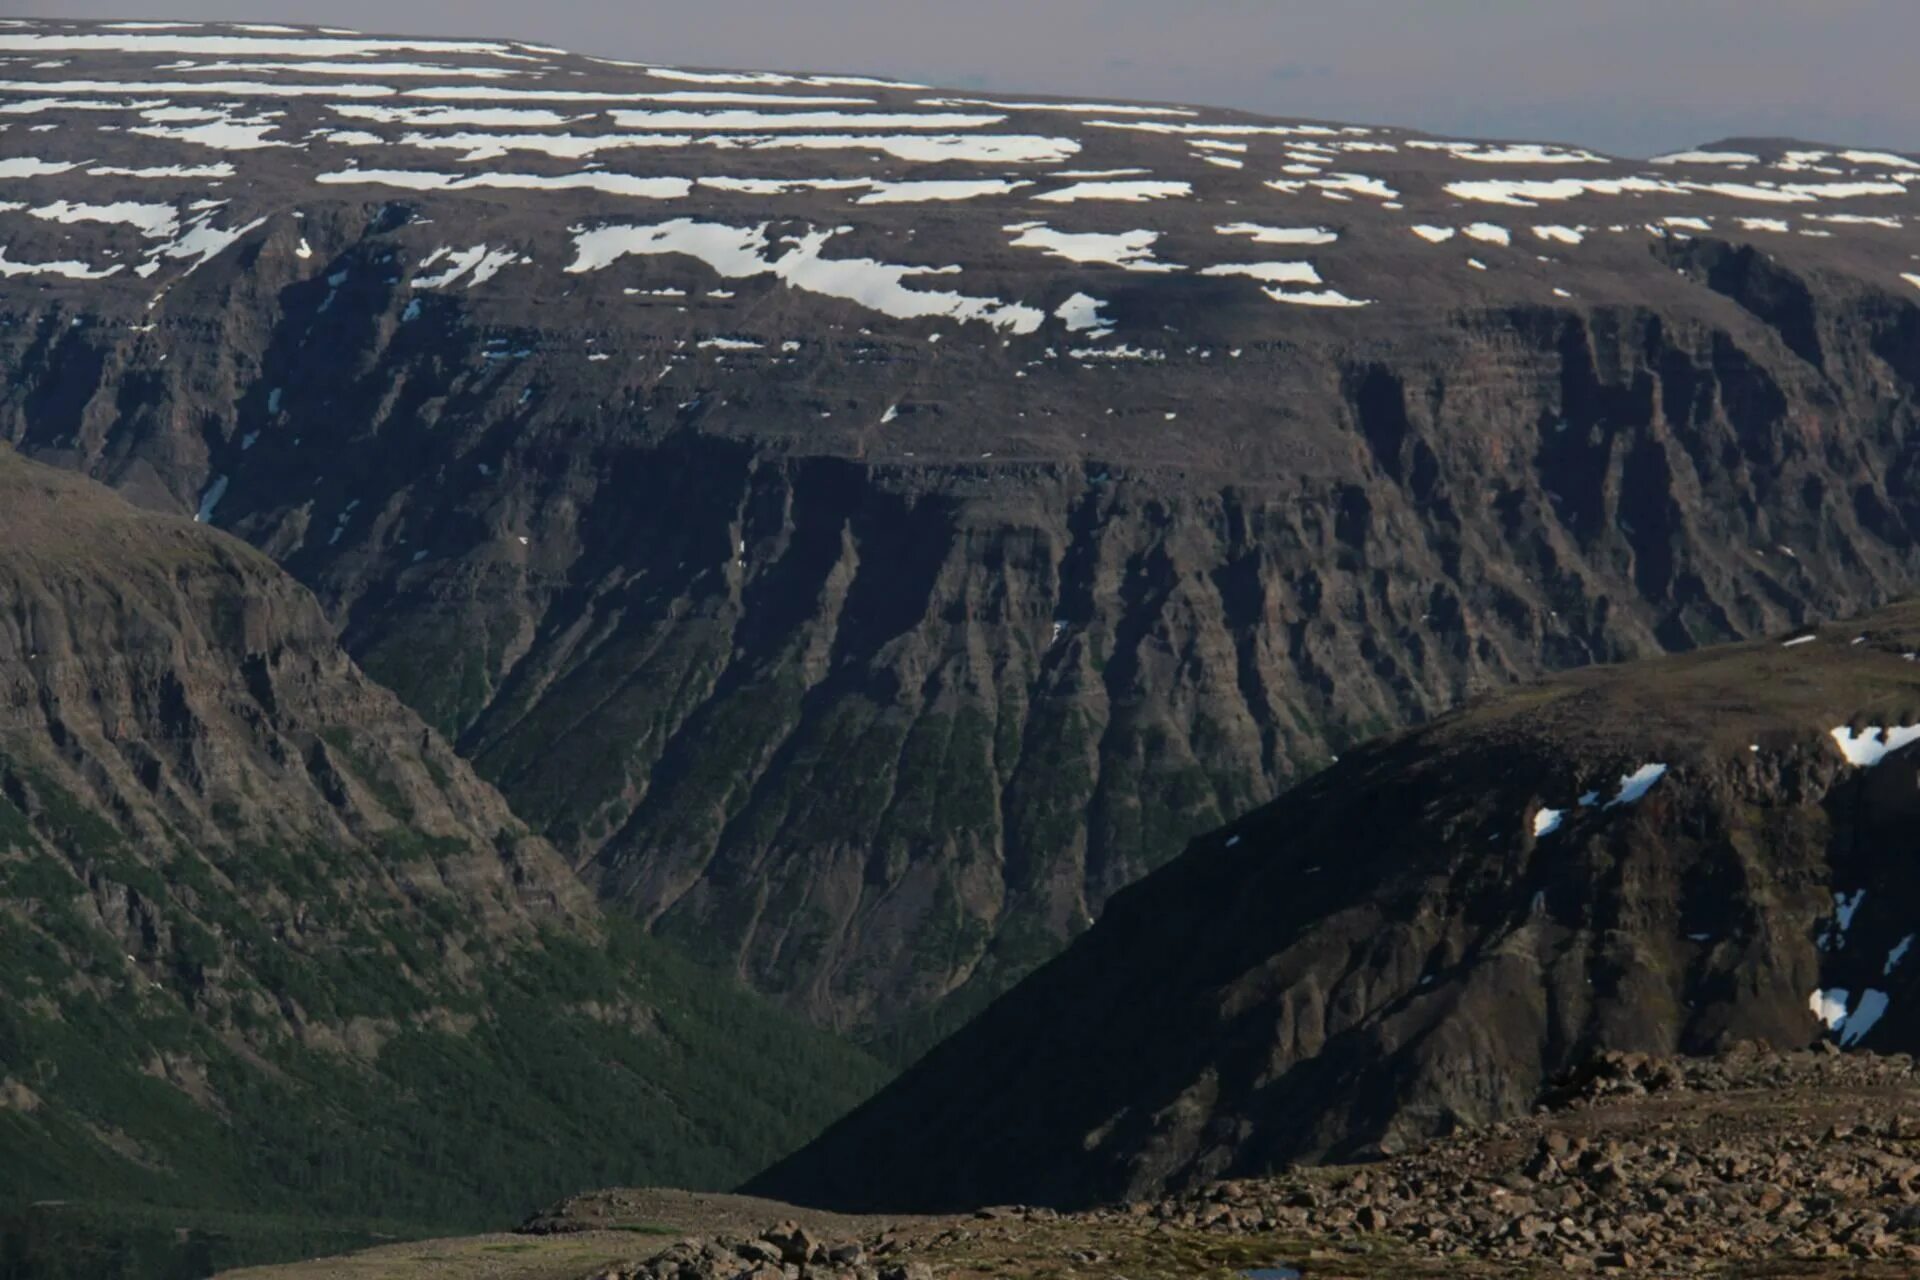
(933, 148)
(1524, 193)
(154, 220)
(1873, 744)
(310, 67)
(239, 46)
(1228, 130)
(741, 252)
(69, 269)
(1885, 158)
(494, 146)
(1128, 250)
(478, 263)
(28, 167)
(1434, 235)
(1489, 233)
(618, 184)
(938, 189)
(220, 135)
(763, 77)
(1358, 184)
(781, 186)
(1082, 311)
(1279, 235)
(1547, 821)
(1272, 272)
(1830, 1006)
(211, 499)
(1873, 1005)
(1132, 192)
(1561, 235)
(1708, 157)
(1317, 298)
(1512, 153)
(222, 88)
(1636, 784)
(1079, 108)
(1858, 220)
(744, 121)
(202, 241)
(463, 117)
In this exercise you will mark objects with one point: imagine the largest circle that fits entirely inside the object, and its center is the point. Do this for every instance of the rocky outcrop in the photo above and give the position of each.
(1679, 1166)
(784, 1251)
(1658, 857)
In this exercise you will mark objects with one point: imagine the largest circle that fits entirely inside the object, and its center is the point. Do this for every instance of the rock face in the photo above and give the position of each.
(267, 940)
(1660, 857)
(865, 528)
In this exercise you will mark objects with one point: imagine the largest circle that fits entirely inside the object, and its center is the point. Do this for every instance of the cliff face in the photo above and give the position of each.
(269, 940)
(865, 631)
(1670, 856)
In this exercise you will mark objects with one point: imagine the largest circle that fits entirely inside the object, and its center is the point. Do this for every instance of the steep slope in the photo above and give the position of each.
(864, 527)
(1667, 856)
(269, 944)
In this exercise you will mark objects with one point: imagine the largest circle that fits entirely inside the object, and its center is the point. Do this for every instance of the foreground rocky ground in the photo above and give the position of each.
(1753, 1163)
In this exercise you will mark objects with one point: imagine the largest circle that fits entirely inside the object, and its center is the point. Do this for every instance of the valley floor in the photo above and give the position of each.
(1753, 1164)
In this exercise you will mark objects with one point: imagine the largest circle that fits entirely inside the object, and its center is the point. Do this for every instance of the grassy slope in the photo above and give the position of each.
(274, 964)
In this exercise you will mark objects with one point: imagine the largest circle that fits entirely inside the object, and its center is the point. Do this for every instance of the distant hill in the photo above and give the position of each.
(864, 526)
(1670, 856)
(270, 947)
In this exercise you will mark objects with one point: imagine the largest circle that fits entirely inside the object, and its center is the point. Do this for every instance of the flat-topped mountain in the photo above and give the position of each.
(270, 945)
(866, 525)
(1671, 856)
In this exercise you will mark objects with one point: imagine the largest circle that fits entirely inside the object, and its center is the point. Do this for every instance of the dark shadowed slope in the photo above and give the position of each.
(864, 526)
(268, 943)
(1663, 856)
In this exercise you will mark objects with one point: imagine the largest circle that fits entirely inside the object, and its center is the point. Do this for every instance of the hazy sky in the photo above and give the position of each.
(1629, 76)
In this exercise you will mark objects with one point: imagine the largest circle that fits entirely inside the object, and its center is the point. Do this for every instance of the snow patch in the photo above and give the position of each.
(1080, 312)
(1873, 744)
(478, 263)
(210, 500)
(1272, 272)
(1131, 192)
(157, 221)
(1127, 250)
(1636, 784)
(742, 252)
(1279, 235)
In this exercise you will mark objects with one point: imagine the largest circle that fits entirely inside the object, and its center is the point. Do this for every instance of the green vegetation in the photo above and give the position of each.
(282, 1054)
(82, 1240)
